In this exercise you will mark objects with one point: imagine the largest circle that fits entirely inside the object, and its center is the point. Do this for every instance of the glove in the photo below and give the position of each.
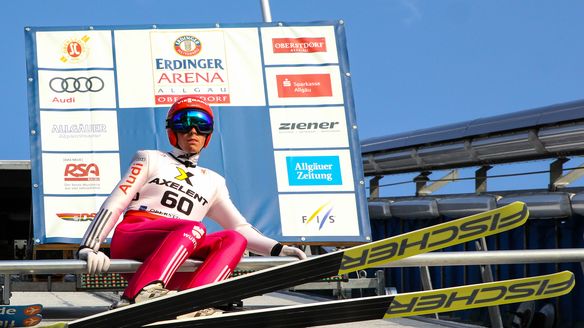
(97, 262)
(293, 251)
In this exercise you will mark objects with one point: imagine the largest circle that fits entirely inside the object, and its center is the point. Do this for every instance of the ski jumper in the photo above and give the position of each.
(165, 196)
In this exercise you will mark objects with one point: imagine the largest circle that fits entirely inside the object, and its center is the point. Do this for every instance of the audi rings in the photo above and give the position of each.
(76, 84)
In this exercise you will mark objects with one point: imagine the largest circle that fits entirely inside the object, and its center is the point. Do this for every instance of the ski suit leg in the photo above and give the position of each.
(162, 244)
(221, 252)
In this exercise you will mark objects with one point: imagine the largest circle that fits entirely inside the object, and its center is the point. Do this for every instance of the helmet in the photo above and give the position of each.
(184, 104)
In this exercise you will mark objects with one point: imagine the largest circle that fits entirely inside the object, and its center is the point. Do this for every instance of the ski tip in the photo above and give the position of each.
(57, 325)
(512, 215)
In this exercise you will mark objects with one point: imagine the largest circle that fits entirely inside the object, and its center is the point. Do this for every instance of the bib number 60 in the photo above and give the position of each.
(173, 200)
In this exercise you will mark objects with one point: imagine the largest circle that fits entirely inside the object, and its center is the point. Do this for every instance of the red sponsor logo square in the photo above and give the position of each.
(298, 45)
(304, 85)
(209, 98)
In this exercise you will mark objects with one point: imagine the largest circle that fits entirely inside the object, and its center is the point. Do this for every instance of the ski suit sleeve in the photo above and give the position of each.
(224, 212)
(117, 202)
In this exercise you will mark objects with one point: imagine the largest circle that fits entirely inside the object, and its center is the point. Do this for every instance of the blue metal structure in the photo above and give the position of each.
(556, 219)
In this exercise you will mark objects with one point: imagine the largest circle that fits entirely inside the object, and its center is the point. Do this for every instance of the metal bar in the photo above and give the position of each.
(427, 282)
(6, 290)
(481, 179)
(563, 255)
(487, 275)
(448, 178)
(556, 171)
(266, 12)
(374, 187)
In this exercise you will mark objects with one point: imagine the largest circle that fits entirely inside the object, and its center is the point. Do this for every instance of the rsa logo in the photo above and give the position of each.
(81, 172)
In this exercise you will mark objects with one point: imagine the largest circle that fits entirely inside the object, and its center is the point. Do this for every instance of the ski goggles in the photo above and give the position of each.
(185, 120)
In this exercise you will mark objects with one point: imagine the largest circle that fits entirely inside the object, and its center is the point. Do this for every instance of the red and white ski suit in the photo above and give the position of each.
(165, 196)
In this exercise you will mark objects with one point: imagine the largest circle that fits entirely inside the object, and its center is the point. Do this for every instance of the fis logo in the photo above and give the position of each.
(81, 172)
(321, 216)
(184, 176)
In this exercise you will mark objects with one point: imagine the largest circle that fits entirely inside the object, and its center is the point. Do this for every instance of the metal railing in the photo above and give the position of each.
(12, 267)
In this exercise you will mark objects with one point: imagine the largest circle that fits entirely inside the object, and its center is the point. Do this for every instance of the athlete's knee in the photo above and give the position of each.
(193, 231)
(234, 238)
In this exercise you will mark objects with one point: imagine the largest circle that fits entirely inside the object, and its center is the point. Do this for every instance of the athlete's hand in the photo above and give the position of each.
(293, 251)
(97, 262)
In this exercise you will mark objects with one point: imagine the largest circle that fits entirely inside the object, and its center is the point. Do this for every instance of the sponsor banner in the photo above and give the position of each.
(69, 219)
(79, 130)
(309, 127)
(304, 85)
(318, 215)
(74, 49)
(78, 174)
(189, 62)
(299, 45)
(314, 170)
(77, 89)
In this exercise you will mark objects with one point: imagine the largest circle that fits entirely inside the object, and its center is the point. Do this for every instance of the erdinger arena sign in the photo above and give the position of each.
(285, 133)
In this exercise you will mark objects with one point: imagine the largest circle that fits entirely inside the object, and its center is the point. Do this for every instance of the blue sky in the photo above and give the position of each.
(415, 63)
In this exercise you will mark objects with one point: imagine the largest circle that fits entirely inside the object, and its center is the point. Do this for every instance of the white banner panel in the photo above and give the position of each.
(309, 127)
(77, 89)
(74, 49)
(320, 85)
(189, 62)
(283, 111)
(69, 219)
(299, 45)
(318, 215)
(314, 170)
(79, 130)
(84, 173)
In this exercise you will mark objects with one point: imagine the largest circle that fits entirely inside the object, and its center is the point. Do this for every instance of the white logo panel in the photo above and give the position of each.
(77, 89)
(74, 49)
(314, 170)
(318, 215)
(77, 174)
(70, 219)
(79, 130)
(304, 85)
(316, 127)
(299, 45)
(231, 74)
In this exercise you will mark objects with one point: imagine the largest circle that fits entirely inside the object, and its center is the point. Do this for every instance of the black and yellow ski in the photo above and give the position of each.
(390, 306)
(295, 273)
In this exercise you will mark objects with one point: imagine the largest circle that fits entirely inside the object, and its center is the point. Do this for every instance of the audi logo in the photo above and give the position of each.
(76, 84)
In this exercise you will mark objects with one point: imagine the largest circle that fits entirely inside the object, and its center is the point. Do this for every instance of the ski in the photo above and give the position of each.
(295, 273)
(20, 315)
(390, 306)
